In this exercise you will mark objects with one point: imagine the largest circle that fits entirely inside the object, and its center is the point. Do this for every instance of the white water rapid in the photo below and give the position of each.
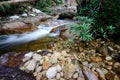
(42, 31)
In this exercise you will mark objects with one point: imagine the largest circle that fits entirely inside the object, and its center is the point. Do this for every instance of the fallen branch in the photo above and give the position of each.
(15, 1)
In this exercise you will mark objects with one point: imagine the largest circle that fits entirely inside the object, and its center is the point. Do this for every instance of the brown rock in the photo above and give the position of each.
(69, 70)
(111, 76)
(46, 64)
(16, 27)
(96, 59)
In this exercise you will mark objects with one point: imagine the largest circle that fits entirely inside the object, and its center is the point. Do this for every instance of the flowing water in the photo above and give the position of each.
(8, 42)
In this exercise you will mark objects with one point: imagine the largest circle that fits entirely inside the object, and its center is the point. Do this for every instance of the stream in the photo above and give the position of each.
(43, 34)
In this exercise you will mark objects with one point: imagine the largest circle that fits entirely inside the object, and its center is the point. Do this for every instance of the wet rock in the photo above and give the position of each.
(16, 27)
(51, 72)
(11, 59)
(33, 15)
(14, 17)
(24, 15)
(8, 73)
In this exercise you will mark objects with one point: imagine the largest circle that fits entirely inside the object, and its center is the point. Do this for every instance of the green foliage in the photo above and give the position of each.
(4, 7)
(42, 4)
(7, 9)
(82, 29)
(106, 14)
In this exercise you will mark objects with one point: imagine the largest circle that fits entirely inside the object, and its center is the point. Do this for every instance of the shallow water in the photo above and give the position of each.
(33, 38)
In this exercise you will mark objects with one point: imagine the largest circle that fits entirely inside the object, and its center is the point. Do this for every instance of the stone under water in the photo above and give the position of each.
(8, 73)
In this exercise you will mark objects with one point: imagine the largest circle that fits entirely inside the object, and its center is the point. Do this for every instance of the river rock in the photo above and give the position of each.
(37, 57)
(24, 15)
(58, 76)
(51, 72)
(14, 17)
(46, 65)
(39, 76)
(108, 58)
(75, 75)
(69, 70)
(90, 75)
(30, 65)
(59, 68)
(38, 69)
(28, 56)
(101, 73)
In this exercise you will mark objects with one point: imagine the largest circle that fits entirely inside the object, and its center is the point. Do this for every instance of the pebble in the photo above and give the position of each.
(38, 69)
(90, 75)
(75, 75)
(37, 57)
(108, 58)
(46, 65)
(59, 68)
(58, 76)
(117, 64)
(51, 72)
(69, 70)
(28, 55)
(30, 65)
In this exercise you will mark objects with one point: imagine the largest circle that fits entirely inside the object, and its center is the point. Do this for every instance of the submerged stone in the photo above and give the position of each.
(8, 73)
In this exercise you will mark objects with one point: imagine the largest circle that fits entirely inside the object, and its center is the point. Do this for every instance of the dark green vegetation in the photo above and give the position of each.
(43, 5)
(105, 15)
(7, 9)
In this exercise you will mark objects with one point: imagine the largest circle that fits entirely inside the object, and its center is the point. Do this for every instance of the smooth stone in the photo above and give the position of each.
(37, 57)
(39, 76)
(108, 58)
(110, 48)
(101, 73)
(30, 65)
(14, 17)
(69, 70)
(33, 15)
(75, 75)
(58, 76)
(51, 72)
(24, 15)
(90, 75)
(46, 65)
(59, 68)
(38, 69)
(28, 55)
